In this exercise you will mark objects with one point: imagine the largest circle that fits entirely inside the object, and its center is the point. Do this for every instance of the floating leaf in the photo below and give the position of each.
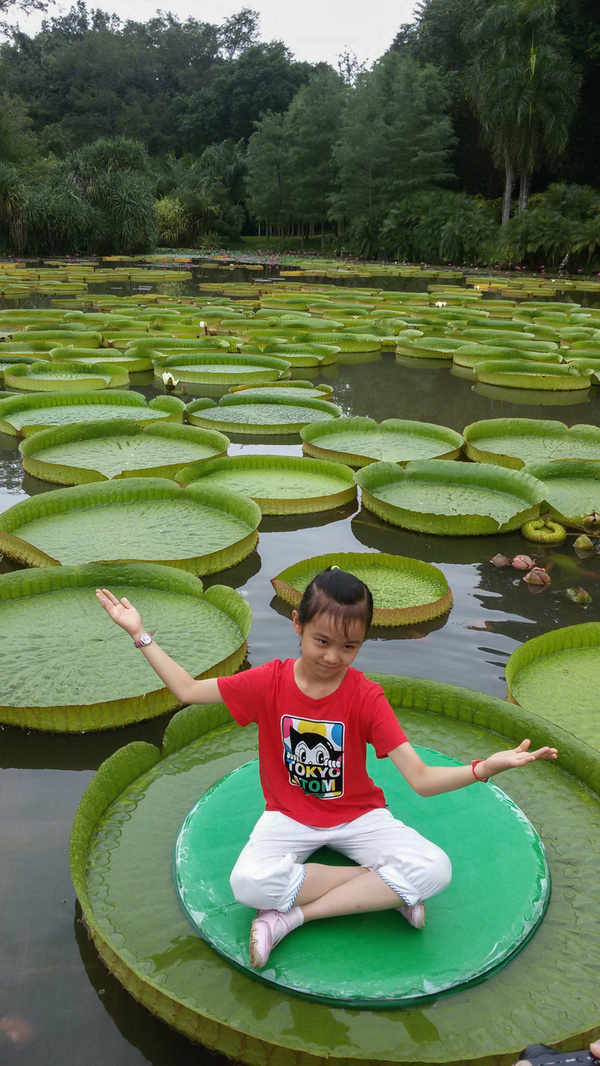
(53, 376)
(450, 498)
(24, 415)
(241, 413)
(55, 615)
(556, 676)
(524, 374)
(404, 590)
(360, 441)
(73, 455)
(512, 442)
(203, 529)
(280, 484)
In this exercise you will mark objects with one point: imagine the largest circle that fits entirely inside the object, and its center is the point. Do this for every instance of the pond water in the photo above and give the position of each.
(59, 1005)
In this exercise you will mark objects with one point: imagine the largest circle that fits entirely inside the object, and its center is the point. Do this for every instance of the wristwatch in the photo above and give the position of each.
(146, 638)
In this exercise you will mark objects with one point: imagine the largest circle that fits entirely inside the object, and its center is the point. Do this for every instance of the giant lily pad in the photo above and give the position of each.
(95, 451)
(512, 442)
(203, 529)
(556, 675)
(48, 376)
(241, 413)
(280, 484)
(129, 818)
(404, 590)
(134, 363)
(222, 369)
(428, 347)
(68, 668)
(297, 390)
(24, 415)
(304, 354)
(525, 374)
(359, 441)
(457, 499)
(572, 488)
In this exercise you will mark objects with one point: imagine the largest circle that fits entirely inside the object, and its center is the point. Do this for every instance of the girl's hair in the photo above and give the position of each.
(344, 597)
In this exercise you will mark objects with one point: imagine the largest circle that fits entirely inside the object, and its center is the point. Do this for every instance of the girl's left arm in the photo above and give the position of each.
(432, 780)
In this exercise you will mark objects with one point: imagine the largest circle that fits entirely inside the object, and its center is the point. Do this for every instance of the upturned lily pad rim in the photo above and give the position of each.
(437, 471)
(353, 562)
(584, 635)
(47, 438)
(239, 399)
(452, 441)
(69, 718)
(46, 370)
(520, 427)
(521, 373)
(565, 469)
(311, 468)
(117, 492)
(251, 1043)
(172, 405)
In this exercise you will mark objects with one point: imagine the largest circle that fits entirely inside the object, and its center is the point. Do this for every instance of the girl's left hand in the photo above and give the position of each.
(509, 760)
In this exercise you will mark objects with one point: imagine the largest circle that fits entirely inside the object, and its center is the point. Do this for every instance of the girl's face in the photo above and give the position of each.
(327, 651)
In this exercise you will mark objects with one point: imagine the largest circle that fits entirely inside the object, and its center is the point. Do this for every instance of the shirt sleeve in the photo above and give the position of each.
(244, 693)
(386, 733)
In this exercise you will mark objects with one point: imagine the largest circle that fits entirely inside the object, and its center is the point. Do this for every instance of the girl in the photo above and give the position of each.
(315, 715)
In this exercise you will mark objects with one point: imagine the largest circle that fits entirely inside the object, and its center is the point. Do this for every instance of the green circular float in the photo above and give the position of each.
(377, 960)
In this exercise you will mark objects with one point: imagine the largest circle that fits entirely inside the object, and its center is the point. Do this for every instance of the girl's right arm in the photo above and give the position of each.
(185, 687)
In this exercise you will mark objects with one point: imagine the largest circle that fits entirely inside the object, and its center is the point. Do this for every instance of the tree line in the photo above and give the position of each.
(474, 137)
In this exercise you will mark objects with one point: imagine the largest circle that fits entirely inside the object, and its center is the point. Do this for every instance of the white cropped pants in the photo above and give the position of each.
(270, 870)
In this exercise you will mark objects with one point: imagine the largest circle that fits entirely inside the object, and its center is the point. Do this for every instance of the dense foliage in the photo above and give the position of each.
(121, 136)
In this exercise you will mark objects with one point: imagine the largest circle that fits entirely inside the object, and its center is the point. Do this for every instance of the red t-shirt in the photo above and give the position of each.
(312, 752)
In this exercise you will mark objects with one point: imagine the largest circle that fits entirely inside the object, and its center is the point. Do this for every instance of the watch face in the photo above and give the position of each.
(145, 638)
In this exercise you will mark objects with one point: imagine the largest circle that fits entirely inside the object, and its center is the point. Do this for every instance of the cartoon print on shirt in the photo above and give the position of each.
(313, 753)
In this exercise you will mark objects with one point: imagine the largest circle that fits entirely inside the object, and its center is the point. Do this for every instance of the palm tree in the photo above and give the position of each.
(523, 88)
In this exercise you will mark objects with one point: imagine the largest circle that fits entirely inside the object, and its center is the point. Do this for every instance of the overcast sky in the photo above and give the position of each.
(313, 30)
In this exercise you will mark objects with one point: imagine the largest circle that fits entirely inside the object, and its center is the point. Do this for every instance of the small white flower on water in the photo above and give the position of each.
(169, 380)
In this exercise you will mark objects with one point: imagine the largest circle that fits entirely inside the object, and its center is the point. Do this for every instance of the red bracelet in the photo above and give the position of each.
(473, 765)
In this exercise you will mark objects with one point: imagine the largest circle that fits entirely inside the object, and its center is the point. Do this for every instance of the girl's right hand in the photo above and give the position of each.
(121, 612)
